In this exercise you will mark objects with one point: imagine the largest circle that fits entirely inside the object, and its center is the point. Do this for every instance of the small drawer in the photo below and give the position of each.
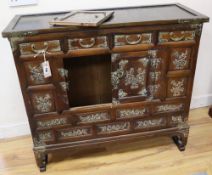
(177, 87)
(93, 117)
(75, 133)
(51, 122)
(113, 128)
(46, 136)
(149, 124)
(34, 48)
(42, 101)
(180, 59)
(176, 118)
(169, 107)
(34, 73)
(88, 43)
(176, 36)
(132, 112)
(132, 39)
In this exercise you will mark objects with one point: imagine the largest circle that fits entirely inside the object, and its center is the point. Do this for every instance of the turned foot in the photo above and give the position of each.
(44, 163)
(41, 160)
(179, 143)
(210, 112)
(180, 139)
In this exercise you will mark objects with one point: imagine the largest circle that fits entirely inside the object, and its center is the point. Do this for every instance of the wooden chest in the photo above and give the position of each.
(130, 78)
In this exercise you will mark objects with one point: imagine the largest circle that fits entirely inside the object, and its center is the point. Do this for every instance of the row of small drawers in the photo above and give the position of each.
(81, 125)
(122, 113)
(114, 128)
(97, 42)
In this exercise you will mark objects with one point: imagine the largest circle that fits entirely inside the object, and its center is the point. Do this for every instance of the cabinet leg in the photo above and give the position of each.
(180, 139)
(41, 160)
(210, 112)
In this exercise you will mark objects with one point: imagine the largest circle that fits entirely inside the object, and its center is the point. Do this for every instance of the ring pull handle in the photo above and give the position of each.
(133, 42)
(175, 37)
(38, 51)
(92, 40)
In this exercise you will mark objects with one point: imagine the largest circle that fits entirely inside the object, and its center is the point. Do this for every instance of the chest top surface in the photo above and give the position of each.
(125, 16)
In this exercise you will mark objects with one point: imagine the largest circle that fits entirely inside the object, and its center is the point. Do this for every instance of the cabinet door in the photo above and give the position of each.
(138, 76)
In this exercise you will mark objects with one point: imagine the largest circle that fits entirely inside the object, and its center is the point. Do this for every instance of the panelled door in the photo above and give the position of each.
(138, 76)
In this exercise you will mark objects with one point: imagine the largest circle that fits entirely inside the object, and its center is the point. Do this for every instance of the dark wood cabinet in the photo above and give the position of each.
(130, 78)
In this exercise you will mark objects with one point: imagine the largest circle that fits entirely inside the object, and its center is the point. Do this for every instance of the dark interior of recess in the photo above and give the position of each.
(90, 80)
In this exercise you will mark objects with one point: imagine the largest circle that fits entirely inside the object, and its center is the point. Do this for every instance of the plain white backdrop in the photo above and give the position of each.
(13, 119)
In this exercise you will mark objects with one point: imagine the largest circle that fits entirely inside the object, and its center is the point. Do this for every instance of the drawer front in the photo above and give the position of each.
(43, 101)
(33, 48)
(52, 122)
(113, 128)
(75, 133)
(130, 112)
(168, 107)
(150, 124)
(46, 136)
(132, 39)
(34, 73)
(177, 87)
(88, 43)
(176, 36)
(180, 59)
(176, 118)
(93, 117)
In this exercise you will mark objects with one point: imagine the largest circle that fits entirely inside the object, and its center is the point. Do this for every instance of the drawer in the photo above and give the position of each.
(33, 48)
(74, 133)
(46, 137)
(93, 117)
(133, 111)
(52, 122)
(34, 72)
(132, 39)
(130, 42)
(113, 128)
(88, 43)
(176, 36)
(43, 101)
(177, 87)
(150, 124)
(180, 59)
(168, 107)
(176, 118)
